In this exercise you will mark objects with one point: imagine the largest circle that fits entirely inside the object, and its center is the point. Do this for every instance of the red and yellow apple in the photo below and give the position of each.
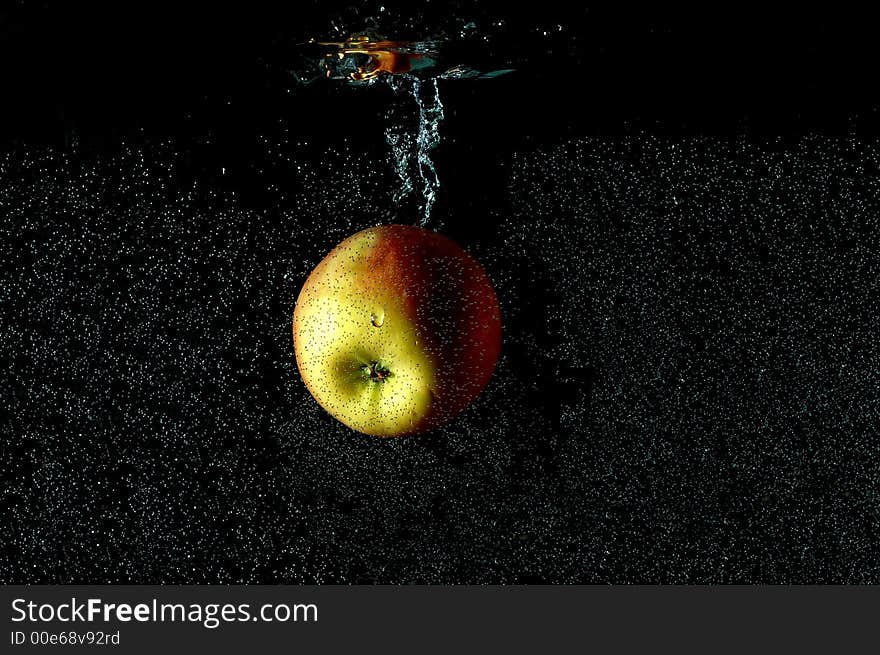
(396, 331)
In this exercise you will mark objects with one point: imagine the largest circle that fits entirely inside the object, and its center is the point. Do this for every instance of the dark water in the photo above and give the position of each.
(689, 389)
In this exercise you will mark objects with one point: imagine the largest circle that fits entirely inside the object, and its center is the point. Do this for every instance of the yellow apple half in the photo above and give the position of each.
(396, 331)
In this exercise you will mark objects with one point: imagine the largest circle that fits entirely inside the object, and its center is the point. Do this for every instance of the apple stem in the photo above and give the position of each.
(377, 372)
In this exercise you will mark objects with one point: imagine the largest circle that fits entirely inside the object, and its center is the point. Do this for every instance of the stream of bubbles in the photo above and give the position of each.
(411, 152)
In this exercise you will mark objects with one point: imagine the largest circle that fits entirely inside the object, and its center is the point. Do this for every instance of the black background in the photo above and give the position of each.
(167, 187)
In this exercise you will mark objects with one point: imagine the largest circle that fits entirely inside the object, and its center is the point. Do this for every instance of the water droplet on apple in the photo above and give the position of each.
(377, 318)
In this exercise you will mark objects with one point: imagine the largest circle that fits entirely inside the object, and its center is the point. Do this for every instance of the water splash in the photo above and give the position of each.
(411, 153)
(411, 69)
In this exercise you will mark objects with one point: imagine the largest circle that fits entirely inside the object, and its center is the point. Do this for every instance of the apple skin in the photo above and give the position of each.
(396, 331)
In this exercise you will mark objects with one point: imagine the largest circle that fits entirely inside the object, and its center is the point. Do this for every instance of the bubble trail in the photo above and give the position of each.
(411, 153)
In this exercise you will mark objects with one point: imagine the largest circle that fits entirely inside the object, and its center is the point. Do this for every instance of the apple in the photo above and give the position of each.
(396, 331)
